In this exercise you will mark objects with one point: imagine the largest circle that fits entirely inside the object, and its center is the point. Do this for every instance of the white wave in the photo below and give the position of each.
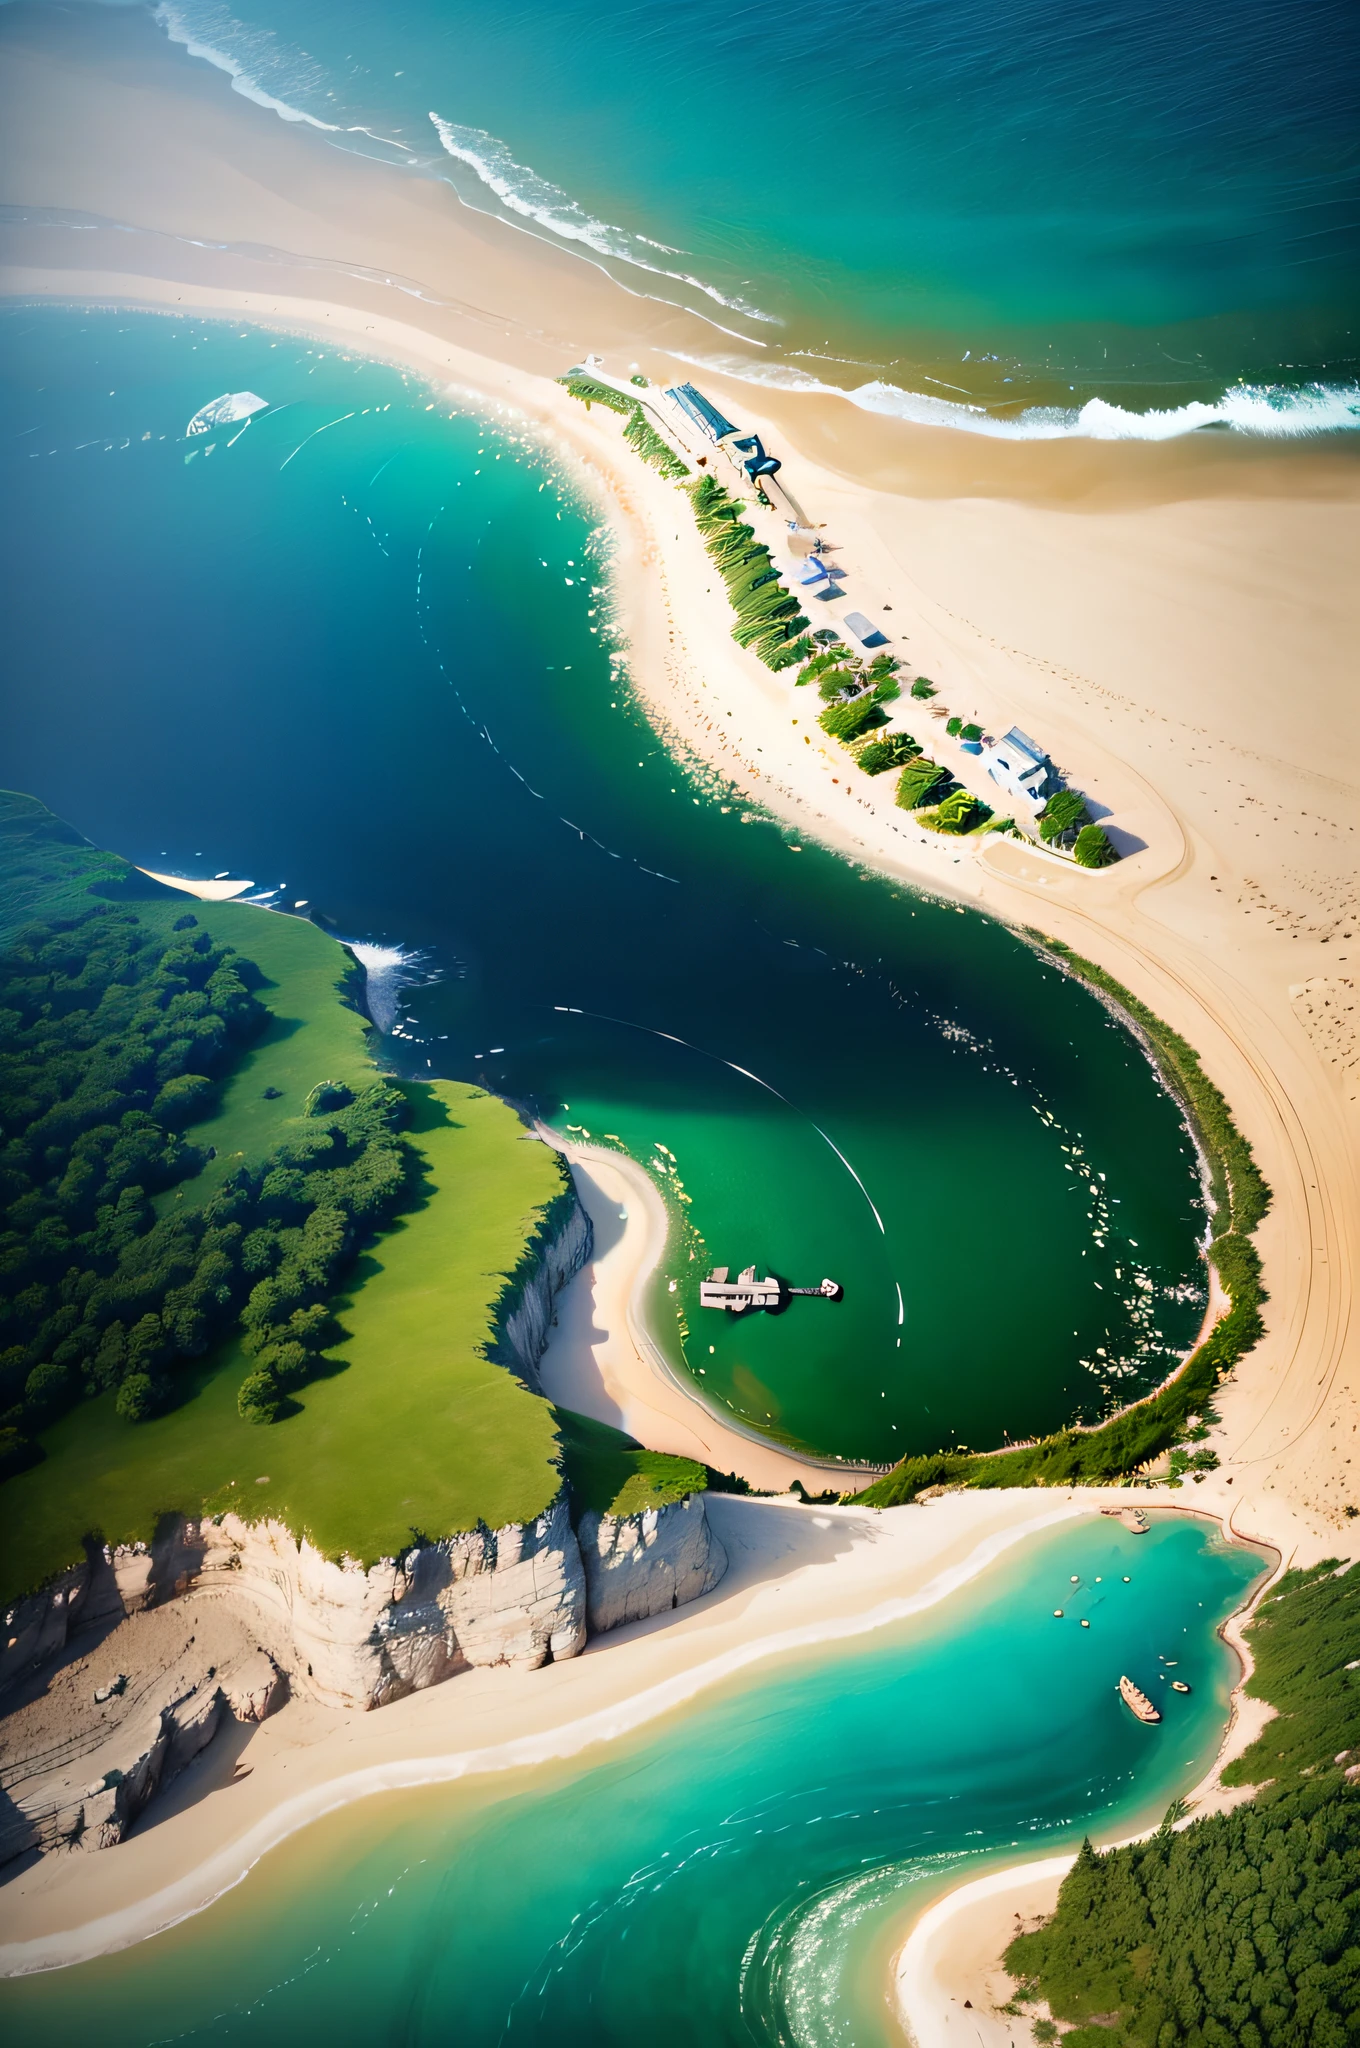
(1270, 411)
(179, 30)
(522, 191)
(387, 971)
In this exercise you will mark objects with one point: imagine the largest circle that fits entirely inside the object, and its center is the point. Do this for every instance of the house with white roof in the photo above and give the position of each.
(1022, 768)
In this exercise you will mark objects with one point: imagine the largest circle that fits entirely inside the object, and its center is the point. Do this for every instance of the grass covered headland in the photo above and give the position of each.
(1243, 1929)
(217, 1214)
(1240, 1198)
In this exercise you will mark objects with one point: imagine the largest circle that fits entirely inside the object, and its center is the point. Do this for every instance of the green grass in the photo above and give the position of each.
(417, 1432)
(611, 1474)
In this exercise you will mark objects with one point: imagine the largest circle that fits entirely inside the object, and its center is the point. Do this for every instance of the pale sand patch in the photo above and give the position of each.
(601, 1361)
(210, 890)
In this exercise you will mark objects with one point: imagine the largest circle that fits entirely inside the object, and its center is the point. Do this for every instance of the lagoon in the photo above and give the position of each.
(358, 649)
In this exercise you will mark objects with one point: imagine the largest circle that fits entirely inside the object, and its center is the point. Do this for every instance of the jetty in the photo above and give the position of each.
(746, 1292)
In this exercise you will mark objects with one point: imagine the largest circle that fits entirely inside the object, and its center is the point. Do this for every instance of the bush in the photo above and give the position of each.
(961, 811)
(1062, 811)
(922, 782)
(846, 722)
(893, 750)
(835, 682)
(184, 1100)
(642, 436)
(923, 688)
(258, 1399)
(954, 727)
(591, 392)
(1093, 848)
(971, 732)
(138, 1397)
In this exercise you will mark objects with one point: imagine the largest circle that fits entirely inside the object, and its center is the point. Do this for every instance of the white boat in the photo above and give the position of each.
(1179, 1685)
(1137, 1701)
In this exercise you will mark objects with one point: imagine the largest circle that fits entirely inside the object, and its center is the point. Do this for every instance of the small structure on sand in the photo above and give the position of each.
(746, 1292)
(1022, 768)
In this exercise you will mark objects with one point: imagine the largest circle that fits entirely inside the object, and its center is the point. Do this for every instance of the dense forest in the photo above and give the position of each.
(1241, 1930)
(114, 1037)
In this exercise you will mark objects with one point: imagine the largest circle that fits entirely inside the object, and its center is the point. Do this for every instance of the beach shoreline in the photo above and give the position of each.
(1175, 622)
(952, 1954)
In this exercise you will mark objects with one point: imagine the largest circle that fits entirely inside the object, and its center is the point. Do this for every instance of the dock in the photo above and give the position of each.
(747, 1292)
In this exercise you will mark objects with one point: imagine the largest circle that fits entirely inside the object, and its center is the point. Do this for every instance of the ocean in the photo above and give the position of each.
(1109, 218)
(739, 1872)
(357, 648)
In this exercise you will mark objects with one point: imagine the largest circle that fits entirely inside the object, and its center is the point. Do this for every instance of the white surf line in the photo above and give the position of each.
(229, 1867)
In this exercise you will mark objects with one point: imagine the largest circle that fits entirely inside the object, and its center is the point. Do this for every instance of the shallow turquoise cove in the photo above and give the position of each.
(739, 1871)
(359, 648)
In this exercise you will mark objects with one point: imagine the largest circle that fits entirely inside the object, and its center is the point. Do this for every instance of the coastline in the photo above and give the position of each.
(952, 1954)
(603, 1362)
(797, 1578)
(1174, 622)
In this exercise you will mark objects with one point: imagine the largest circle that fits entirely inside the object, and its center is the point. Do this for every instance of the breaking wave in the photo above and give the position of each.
(522, 191)
(1270, 411)
(388, 970)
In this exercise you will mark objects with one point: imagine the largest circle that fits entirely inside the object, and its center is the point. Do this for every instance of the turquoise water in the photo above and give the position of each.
(359, 647)
(735, 1873)
(942, 204)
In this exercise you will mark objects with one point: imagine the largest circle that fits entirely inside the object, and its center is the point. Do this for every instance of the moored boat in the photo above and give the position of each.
(1179, 1685)
(1137, 1701)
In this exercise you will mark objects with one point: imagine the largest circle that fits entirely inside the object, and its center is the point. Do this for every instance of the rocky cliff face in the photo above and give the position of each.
(636, 1565)
(359, 1638)
(527, 1323)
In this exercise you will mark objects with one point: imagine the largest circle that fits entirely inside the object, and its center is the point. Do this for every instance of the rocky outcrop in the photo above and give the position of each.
(636, 1565)
(358, 1637)
(526, 1320)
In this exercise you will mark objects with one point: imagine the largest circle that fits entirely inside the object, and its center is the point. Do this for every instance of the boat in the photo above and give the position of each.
(1137, 1701)
(1179, 1685)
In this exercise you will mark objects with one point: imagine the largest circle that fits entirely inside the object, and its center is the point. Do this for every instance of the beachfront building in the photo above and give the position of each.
(1022, 768)
(701, 413)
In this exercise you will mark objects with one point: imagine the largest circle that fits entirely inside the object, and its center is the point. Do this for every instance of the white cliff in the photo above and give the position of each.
(637, 1565)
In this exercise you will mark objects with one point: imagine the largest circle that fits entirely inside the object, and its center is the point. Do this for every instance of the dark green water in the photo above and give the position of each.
(361, 647)
(737, 1872)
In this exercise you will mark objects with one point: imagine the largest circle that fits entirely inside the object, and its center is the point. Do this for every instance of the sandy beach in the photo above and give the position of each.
(1175, 622)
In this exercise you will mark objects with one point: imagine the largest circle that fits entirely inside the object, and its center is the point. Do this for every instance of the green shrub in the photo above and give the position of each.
(258, 1398)
(846, 722)
(1062, 811)
(590, 392)
(1093, 848)
(954, 727)
(184, 1100)
(892, 750)
(923, 688)
(835, 682)
(138, 1397)
(885, 689)
(961, 811)
(922, 782)
(971, 732)
(642, 436)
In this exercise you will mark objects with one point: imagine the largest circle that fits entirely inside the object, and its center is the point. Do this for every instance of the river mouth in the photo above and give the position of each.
(359, 650)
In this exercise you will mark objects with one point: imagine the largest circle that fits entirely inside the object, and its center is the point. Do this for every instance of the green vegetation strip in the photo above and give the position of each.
(768, 618)
(611, 1474)
(1243, 1929)
(1099, 1457)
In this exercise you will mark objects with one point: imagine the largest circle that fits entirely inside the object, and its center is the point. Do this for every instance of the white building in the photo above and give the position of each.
(1022, 768)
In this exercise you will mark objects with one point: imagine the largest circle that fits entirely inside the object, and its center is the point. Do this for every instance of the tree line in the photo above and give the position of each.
(114, 1036)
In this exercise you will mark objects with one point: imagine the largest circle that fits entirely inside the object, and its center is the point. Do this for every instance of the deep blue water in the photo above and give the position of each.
(1005, 203)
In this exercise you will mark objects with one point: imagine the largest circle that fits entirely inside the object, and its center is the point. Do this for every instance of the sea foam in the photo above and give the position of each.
(387, 971)
(1272, 411)
(522, 191)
